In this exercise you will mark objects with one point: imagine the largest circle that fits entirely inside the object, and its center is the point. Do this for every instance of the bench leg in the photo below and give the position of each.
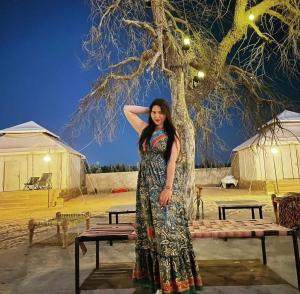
(223, 211)
(252, 212)
(220, 216)
(260, 213)
(77, 286)
(87, 222)
(97, 254)
(296, 253)
(110, 222)
(117, 218)
(58, 230)
(202, 208)
(263, 249)
(31, 227)
(65, 227)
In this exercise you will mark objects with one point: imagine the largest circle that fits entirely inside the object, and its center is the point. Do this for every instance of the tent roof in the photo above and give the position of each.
(30, 137)
(288, 116)
(289, 133)
(28, 127)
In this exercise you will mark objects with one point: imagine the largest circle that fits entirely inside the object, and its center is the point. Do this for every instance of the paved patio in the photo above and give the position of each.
(45, 268)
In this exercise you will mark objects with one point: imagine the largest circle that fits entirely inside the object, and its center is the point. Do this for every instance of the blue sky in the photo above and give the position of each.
(42, 78)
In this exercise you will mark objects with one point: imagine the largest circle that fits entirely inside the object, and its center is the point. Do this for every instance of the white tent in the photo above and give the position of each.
(22, 155)
(273, 158)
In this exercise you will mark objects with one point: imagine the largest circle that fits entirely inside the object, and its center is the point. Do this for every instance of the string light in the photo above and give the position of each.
(251, 17)
(201, 74)
(274, 150)
(186, 43)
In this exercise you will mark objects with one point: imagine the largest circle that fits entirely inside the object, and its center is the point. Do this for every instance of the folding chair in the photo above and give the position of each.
(45, 181)
(31, 183)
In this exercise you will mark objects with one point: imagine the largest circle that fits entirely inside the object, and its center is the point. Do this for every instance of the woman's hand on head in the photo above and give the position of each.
(165, 197)
(131, 113)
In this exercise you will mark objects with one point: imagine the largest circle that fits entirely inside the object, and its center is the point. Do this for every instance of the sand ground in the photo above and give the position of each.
(14, 222)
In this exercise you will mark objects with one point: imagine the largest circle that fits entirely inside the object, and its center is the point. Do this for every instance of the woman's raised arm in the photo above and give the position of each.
(131, 112)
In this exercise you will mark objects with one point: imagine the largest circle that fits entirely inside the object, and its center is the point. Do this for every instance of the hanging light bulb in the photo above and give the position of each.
(47, 158)
(186, 43)
(201, 74)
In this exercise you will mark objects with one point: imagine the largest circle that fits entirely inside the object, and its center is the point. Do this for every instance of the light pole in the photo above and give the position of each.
(274, 151)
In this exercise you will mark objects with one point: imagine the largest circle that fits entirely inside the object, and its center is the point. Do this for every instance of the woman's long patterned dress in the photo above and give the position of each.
(164, 254)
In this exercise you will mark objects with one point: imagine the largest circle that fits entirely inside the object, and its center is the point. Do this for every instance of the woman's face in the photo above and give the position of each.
(157, 116)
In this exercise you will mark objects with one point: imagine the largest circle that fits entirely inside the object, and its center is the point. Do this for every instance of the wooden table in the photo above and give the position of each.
(241, 204)
(199, 229)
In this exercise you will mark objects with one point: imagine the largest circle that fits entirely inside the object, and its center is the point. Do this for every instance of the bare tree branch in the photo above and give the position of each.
(126, 61)
(141, 25)
(232, 44)
(259, 33)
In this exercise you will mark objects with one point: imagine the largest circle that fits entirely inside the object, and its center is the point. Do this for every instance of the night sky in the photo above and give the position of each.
(42, 78)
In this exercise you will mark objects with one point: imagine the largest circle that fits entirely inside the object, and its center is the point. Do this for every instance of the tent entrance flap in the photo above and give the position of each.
(11, 175)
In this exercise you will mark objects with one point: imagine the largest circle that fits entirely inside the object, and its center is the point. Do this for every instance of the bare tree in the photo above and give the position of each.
(212, 54)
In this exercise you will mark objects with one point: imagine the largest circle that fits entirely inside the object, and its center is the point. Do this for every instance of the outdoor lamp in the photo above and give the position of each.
(200, 76)
(251, 16)
(274, 150)
(186, 43)
(47, 158)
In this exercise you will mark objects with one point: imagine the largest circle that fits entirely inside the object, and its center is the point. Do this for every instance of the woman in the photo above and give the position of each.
(165, 259)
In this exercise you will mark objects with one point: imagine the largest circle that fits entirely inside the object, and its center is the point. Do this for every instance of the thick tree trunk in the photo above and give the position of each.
(182, 121)
(186, 132)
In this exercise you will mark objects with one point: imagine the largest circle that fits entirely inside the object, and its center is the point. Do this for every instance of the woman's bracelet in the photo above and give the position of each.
(168, 188)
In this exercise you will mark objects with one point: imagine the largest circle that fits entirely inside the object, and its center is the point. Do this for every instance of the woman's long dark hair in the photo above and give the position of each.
(168, 127)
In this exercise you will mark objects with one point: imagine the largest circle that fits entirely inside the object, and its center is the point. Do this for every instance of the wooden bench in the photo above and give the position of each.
(120, 209)
(199, 229)
(61, 221)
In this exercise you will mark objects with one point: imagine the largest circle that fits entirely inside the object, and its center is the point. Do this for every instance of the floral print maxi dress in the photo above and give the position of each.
(164, 254)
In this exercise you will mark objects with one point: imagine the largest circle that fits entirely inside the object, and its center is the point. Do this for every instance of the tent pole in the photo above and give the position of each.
(297, 161)
(3, 183)
(90, 178)
(277, 192)
(72, 171)
(291, 161)
(60, 171)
